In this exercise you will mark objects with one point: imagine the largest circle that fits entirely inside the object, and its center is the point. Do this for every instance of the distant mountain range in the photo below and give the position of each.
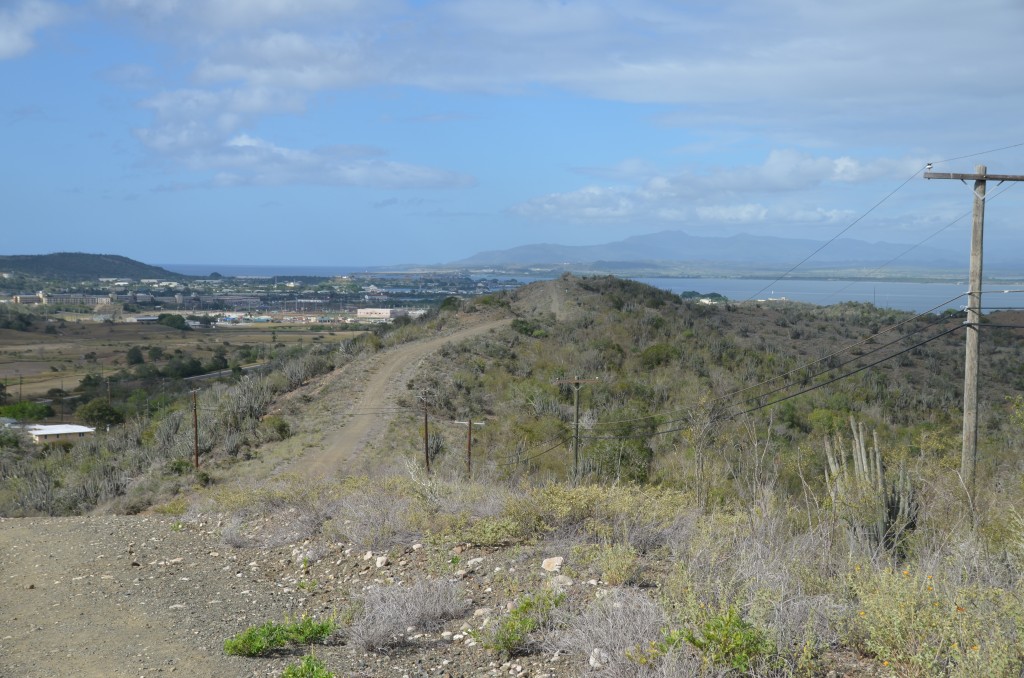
(669, 251)
(82, 266)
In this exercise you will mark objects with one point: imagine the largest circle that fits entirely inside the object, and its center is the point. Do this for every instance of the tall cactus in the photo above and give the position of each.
(876, 514)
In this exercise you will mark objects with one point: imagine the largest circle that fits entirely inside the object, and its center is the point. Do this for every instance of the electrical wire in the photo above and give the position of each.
(974, 155)
(788, 397)
(851, 373)
(799, 368)
(843, 364)
(531, 458)
(839, 234)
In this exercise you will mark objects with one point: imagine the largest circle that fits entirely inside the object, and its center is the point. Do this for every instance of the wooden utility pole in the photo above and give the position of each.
(195, 427)
(426, 432)
(469, 444)
(576, 384)
(969, 453)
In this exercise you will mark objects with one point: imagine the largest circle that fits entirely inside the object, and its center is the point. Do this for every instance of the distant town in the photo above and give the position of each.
(233, 300)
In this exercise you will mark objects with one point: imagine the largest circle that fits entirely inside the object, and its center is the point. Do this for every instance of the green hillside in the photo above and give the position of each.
(82, 266)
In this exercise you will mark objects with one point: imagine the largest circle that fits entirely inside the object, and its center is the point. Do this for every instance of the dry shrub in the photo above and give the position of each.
(377, 513)
(388, 610)
(730, 560)
(273, 513)
(642, 519)
(618, 628)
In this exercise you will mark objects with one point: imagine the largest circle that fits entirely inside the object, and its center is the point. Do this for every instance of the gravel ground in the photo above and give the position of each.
(144, 595)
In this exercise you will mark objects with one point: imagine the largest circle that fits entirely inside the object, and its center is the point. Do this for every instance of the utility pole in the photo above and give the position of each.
(195, 427)
(969, 453)
(469, 444)
(576, 384)
(426, 432)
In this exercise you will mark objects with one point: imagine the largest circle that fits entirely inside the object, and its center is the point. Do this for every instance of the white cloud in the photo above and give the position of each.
(713, 198)
(245, 160)
(733, 213)
(231, 16)
(292, 60)
(19, 23)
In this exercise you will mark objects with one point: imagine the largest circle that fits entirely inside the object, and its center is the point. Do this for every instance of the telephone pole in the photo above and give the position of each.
(469, 444)
(195, 426)
(969, 453)
(426, 432)
(576, 384)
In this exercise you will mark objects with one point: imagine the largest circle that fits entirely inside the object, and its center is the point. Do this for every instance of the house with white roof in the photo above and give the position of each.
(57, 433)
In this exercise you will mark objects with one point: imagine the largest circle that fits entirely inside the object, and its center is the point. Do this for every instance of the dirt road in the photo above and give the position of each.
(360, 414)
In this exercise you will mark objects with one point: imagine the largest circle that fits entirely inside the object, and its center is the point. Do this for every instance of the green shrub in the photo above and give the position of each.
(936, 627)
(257, 641)
(275, 427)
(309, 667)
(510, 636)
(727, 639)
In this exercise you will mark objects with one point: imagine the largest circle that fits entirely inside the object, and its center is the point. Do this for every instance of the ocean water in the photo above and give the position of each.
(919, 297)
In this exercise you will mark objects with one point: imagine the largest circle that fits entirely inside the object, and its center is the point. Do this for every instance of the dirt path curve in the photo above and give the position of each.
(389, 371)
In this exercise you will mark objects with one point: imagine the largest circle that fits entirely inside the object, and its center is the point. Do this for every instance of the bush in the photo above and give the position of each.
(26, 411)
(511, 634)
(726, 639)
(934, 626)
(388, 611)
(258, 641)
(275, 427)
(309, 667)
(99, 413)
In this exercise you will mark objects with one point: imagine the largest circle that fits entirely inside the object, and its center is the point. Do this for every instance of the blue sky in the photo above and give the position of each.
(378, 132)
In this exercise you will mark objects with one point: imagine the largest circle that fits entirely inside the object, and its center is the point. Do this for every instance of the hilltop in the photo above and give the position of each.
(83, 266)
(698, 535)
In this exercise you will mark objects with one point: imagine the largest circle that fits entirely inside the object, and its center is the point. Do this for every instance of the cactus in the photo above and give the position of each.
(877, 515)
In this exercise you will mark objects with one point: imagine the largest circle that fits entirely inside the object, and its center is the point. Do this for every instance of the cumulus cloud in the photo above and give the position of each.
(244, 160)
(712, 198)
(20, 22)
(725, 65)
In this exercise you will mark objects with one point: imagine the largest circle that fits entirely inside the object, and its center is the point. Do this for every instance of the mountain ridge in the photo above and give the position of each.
(83, 266)
(728, 252)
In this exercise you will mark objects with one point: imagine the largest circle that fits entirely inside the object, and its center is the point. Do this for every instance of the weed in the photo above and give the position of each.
(510, 636)
(934, 626)
(257, 641)
(388, 610)
(309, 667)
(725, 639)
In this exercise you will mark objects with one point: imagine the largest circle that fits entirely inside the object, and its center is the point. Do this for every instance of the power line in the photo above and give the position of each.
(852, 372)
(843, 364)
(799, 368)
(975, 155)
(840, 233)
(914, 247)
(791, 396)
(529, 459)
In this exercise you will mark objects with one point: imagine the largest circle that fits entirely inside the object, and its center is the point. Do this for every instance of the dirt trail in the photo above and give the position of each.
(118, 596)
(389, 372)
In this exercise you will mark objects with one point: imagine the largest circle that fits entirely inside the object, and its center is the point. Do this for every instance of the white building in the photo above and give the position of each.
(55, 433)
(381, 313)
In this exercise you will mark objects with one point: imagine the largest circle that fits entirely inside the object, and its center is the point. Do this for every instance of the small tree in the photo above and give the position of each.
(173, 320)
(134, 356)
(27, 411)
(99, 413)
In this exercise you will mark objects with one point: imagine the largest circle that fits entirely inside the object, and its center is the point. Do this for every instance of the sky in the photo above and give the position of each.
(377, 132)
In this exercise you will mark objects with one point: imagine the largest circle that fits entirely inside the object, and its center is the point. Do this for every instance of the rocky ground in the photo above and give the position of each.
(146, 595)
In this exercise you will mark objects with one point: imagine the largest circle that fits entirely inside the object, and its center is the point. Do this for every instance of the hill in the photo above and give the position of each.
(669, 251)
(699, 533)
(83, 266)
